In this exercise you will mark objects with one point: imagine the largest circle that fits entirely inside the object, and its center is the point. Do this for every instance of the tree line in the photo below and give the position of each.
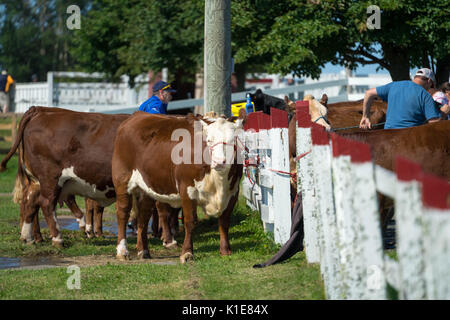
(131, 37)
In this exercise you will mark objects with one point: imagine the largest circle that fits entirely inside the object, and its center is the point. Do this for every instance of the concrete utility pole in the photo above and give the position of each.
(217, 64)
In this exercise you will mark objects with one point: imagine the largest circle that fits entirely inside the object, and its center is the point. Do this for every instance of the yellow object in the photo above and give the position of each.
(235, 107)
(9, 81)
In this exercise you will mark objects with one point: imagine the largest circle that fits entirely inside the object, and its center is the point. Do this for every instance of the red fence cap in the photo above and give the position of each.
(278, 118)
(302, 113)
(252, 122)
(359, 151)
(407, 170)
(319, 135)
(435, 192)
(341, 145)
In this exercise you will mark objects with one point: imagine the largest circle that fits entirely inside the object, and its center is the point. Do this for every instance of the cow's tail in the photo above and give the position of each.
(18, 190)
(23, 122)
(20, 179)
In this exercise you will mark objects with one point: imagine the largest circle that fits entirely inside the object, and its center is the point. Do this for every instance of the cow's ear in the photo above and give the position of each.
(239, 123)
(243, 115)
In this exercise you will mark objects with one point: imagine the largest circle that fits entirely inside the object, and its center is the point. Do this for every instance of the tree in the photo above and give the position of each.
(312, 33)
(34, 38)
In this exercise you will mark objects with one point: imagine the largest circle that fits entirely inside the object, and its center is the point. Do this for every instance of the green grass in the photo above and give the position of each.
(210, 276)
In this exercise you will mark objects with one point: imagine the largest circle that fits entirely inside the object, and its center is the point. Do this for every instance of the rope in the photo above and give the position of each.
(354, 127)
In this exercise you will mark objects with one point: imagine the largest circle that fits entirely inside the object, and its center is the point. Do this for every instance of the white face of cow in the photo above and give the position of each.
(221, 140)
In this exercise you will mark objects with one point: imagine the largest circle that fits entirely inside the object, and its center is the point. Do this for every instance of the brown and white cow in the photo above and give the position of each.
(65, 153)
(146, 163)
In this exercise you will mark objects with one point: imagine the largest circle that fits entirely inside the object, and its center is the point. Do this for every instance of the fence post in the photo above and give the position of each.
(250, 188)
(436, 217)
(280, 172)
(13, 127)
(321, 153)
(345, 218)
(409, 225)
(305, 183)
(50, 89)
(370, 264)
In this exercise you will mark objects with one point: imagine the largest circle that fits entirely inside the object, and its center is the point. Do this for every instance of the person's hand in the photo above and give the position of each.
(445, 109)
(365, 123)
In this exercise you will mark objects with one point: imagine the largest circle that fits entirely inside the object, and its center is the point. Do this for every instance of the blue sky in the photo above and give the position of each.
(367, 69)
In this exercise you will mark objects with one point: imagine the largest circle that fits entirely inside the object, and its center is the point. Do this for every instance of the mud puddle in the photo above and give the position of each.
(37, 263)
(70, 223)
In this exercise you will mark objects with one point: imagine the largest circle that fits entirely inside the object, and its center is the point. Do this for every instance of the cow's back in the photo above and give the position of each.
(427, 145)
(71, 144)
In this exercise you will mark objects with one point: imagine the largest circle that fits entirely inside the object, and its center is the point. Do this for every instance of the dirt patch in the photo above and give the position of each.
(36, 263)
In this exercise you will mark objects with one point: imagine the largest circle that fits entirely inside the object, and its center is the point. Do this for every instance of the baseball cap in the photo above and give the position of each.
(427, 73)
(162, 85)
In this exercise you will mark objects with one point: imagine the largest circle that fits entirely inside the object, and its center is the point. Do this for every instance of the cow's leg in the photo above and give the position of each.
(47, 201)
(98, 220)
(72, 205)
(89, 204)
(155, 225)
(123, 207)
(164, 213)
(29, 210)
(190, 212)
(132, 221)
(146, 206)
(36, 227)
(173, 221)
(224, 224)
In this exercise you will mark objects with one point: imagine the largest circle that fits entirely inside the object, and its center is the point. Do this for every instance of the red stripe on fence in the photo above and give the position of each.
(319, 135)
(265, 122)
(302, 113)
(435, 192)
(359, 152)
(341, 145)
(278, 118)
(407, 170)
(252, 122)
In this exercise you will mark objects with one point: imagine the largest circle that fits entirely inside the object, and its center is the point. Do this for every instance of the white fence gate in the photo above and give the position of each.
(266, 184)
(338, 182)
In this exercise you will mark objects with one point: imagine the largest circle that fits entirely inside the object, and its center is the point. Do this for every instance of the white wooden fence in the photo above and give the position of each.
(338, 182)
(266, 183)
(80, 96)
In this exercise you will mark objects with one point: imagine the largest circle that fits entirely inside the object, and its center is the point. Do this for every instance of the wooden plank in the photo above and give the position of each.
(305, 184)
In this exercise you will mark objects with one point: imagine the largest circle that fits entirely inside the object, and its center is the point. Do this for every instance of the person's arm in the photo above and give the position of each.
(368, 99)
(431, 112)
(434, 120)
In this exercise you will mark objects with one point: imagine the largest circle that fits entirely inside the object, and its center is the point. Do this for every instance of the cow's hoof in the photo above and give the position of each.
(187, 257)
(99, 234)
(38, 239)
(225, 252)
(58, 244)
(89, 234)
(171, 245)
(123, 257)
(143, 255)
(27, 241)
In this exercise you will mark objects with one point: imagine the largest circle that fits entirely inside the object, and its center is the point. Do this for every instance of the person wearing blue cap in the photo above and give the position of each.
(157, 104)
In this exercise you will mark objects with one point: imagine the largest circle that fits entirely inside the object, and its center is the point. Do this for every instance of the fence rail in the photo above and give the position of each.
(116, 98)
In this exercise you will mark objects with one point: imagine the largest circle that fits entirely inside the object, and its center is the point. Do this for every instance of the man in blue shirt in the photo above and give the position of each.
(409, 103)
(157, 104)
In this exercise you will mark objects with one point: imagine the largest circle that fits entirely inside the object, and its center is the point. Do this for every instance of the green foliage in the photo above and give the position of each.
(34, 38)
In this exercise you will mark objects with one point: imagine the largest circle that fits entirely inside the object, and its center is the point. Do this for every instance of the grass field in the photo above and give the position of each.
(209, 276)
